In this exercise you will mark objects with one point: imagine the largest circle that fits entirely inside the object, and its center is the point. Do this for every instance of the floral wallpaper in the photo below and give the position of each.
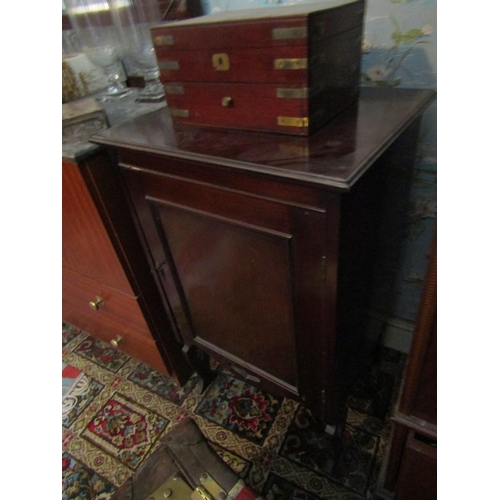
(399, 50)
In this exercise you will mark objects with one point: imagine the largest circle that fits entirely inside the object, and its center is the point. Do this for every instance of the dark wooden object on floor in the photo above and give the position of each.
(100, 292)
(185, 454)
(262, 244)
(412, 465)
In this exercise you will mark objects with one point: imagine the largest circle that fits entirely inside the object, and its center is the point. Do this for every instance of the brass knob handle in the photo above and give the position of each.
(227, 102)
(96, 303)
(116, 341)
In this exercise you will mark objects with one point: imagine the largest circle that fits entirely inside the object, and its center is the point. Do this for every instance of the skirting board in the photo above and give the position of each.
(398, 334)
(393, 332)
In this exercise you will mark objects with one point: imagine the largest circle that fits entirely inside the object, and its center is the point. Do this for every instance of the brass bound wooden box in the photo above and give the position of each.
(284, 69)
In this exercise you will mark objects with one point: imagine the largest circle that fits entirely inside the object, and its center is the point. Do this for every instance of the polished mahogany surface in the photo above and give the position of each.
(332, 158)
(262, 246)
(87, 248)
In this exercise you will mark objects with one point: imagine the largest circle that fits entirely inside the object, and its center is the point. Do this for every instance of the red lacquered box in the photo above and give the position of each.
(283, 69)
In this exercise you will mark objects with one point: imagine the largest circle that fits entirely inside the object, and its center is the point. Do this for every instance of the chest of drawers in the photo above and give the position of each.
(100, 293)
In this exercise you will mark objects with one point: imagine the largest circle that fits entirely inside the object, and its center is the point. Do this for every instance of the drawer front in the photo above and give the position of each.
(117, 314)
(288, 109)
(258, 65)
(334, 63)
(234, 106)
(87, 248)
(417, 478)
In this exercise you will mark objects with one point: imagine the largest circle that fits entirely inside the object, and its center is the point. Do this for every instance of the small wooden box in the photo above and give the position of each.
(285, 69)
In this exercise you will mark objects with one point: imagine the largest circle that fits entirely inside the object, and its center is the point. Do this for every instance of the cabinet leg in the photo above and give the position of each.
(335, 432)
(201, 363)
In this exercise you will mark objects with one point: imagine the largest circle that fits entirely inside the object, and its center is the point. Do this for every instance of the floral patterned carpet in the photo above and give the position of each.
(115, 410)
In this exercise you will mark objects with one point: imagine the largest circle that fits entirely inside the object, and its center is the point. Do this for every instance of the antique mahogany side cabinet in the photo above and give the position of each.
(261, 244)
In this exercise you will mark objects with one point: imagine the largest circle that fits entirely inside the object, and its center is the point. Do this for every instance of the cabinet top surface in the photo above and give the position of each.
(334, 157)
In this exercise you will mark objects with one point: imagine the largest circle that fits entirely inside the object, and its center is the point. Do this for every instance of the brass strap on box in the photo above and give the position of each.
(296, 121)
(292, 93)
(173, 89)
(299, 63)
(180, 113)
(290, 33)
(290, 63)
(169, 65)
(300, 93)
(292, 121)
(161, 40)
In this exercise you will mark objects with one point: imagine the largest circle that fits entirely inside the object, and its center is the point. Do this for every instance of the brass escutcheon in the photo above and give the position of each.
(220, 62)
(227, 102)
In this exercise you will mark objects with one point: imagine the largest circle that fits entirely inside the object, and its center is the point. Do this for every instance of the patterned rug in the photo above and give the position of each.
(115, 410)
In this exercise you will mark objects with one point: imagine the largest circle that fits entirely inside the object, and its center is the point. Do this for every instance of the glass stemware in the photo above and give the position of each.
(133, 19)
(99, 38)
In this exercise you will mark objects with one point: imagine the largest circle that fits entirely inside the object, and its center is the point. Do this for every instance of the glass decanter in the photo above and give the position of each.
(99, 38)
(133, 19)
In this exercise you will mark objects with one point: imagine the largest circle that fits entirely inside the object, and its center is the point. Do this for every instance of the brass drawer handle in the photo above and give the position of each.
(96, 303)
(116, 341)
(227, 102)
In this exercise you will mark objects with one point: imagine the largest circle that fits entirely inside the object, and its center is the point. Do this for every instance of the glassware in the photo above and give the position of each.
(99, 39)
(133, 19)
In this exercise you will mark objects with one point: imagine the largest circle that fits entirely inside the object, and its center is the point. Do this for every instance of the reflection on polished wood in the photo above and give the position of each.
(333, 158)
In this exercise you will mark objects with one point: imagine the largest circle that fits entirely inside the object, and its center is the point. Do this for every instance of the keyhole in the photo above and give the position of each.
(220, 62)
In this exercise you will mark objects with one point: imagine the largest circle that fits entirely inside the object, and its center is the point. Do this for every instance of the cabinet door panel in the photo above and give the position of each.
(243, 277)
(236, 285)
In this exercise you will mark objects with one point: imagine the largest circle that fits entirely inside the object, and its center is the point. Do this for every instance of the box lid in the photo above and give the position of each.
(261, 27)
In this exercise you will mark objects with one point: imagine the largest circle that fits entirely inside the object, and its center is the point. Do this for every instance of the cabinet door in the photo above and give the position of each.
(243, 277)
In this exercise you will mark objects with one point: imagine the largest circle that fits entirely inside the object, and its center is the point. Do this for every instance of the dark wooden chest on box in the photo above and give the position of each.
(286, 69)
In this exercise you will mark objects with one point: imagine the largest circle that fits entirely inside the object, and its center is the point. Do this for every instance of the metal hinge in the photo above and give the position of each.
(175, 488)
(158, 269)
(201, 493)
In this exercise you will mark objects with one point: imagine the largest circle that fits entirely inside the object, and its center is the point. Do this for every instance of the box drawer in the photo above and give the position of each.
(256, 65)
(290, 109)
(226, 105)
(117, 315)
